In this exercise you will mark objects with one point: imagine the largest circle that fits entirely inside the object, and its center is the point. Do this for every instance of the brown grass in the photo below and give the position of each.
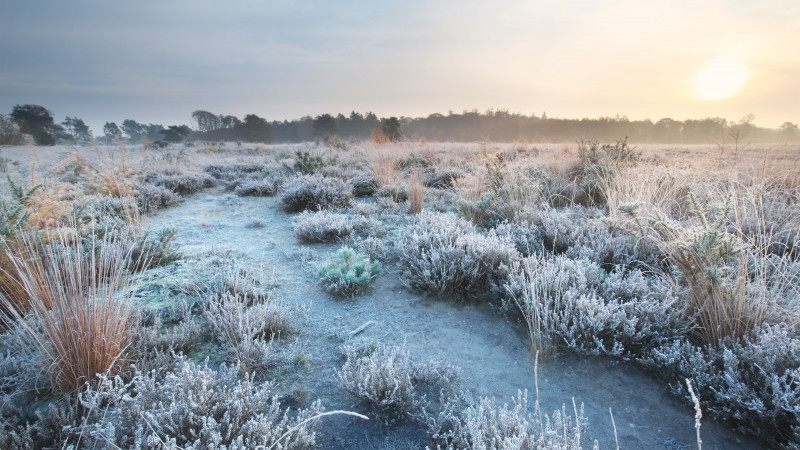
(82, 325)
(416, 192)
(384, 166)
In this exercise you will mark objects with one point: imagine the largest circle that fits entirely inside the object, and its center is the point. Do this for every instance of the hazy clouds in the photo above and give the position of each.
(158, 61)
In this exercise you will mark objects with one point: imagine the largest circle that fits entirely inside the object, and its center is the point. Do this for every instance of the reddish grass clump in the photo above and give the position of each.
(81, 323)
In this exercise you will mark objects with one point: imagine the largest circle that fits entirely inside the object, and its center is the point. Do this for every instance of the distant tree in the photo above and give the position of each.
(111, 131)
(739, 132)
(789, 131)
(9, 131)
(176, 133)
(391, 129)
(77, 129)
(153, 131)
(255, 129)
(206, 123)
(36, 121)
(324, 126)
(132, 130)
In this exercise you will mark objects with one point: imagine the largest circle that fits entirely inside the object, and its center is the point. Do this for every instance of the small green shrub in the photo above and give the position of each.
(307, 163)
(348, 273)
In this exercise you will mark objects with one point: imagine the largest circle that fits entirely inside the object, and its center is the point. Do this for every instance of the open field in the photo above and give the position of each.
(457, 295)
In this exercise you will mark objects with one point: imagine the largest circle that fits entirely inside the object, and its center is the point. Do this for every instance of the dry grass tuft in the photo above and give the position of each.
(384, 166)
(82, 324)
(416, 193)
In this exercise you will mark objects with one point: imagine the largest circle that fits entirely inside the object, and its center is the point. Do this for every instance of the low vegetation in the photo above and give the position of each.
(681, 262)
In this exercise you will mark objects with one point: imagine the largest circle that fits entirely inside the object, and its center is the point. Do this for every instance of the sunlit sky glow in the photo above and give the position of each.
(157, 61)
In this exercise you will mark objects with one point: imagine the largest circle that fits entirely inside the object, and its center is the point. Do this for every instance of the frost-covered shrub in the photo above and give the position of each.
(256, 187)
(325, 226)
(364, 185)
(491, 427)
(322, 226)
(579, 233)
(441, 200)
(151, 198)
(387, 379)
(232, 175)
(442, 180)
(348, 273)
(589, 311)
(397, 193)
(199, 408)
(443, 255)
(101, 206)
(314, 192)
(753, 384)
(247, 325)
(378, 249)
(184, 184)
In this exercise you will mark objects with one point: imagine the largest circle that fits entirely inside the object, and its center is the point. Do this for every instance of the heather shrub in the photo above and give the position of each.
(442, 180)
(364, 185)
(150, 198)
(247, 325)
(752, 383)
(579, 233)
(199, 408)
(378, 249)
(386, 379)
(322, 226)
(577, 304)
(348, 273)
(489, 426)
(443, 255)
(183, 184)
(397, 193)
(325, 226)
(256, 187)
(232, 175)
(441, 200)
(314, 192)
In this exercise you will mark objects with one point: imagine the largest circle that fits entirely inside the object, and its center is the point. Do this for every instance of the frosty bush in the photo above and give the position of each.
(753, 384)
(247, 325)
(325, 226)
(184, 184)
(232, 175)
(443, 255)
(388, 380)
(256, 187)
(589, 311)
(348, 273)
(378, 249)
(489, 426)
(314, 192)
(579, 234)
(322, 226)
(151, 198)
(199, 408)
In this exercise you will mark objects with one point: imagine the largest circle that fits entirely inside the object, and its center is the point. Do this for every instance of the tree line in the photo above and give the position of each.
(493, 125)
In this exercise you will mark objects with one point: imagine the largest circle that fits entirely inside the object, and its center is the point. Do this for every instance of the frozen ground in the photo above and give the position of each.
(492, 352)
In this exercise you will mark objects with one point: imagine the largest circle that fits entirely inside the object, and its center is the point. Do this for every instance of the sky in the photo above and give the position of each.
(157, 61)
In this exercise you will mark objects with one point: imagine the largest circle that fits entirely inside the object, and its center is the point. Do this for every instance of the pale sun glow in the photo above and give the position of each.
(719, 79)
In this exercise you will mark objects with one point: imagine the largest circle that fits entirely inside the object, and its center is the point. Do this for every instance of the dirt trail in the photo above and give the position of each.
(492, 352)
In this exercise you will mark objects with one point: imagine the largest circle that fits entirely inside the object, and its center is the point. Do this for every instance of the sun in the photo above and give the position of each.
(719, 79)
